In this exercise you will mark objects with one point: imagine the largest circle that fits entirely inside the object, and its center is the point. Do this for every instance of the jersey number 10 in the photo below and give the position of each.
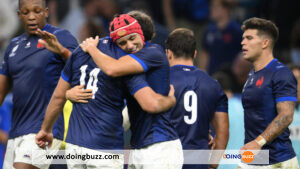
(190, 105)
(93, 79)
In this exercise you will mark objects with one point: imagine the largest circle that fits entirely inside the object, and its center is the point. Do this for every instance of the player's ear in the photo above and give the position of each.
(266, 43)
(169, 54)
(46, 12)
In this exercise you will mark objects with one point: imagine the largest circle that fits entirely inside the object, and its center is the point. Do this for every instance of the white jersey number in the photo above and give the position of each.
(92, 82)
(190, 105)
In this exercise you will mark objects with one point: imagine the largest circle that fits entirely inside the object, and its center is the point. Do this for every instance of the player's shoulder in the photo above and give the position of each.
(203, 77)
(78, 53)
(153, 47)
(207, 79)
(57, 31)
(15, 41)
(280, 71)
(276, 66)
(105, 41)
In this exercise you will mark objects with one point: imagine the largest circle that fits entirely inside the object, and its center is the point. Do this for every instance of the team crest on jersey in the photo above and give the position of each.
(259, 82)
(39, 45)
(13, 51)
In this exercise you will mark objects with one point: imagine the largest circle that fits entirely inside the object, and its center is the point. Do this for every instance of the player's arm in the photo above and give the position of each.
(152, 102)
(54, 109)
(78, 94)
(112, 67)
(285, 91)
(282, 120)
(51, 43)
(276, 127)
(4, 87)
(220, 123)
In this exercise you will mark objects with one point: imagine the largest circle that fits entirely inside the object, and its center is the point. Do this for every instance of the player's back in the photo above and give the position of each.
(98, 123)
(151, 128)
(198, 97)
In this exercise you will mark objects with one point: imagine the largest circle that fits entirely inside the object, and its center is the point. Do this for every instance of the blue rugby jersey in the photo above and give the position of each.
(198, 97)
(151, 128)
(98, 123)
(262, 91)
(34, 71)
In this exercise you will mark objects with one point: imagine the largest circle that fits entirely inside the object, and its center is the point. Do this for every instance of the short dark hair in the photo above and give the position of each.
(263, 26)
(43, 2)
(146, 23)
(182, 43)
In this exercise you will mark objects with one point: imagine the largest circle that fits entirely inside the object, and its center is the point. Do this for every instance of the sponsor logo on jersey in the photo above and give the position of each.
(13, 51)
(27, 45)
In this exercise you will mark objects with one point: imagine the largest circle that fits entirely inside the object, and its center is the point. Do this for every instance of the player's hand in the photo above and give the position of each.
(87, 44)
(211, 142)
(253, 145)
(172, 95)
(50, 42)
(79, 95)
(172, 91)
(43, 138)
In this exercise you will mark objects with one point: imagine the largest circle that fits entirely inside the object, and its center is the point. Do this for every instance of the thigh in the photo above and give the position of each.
(92, 159)
(73, 163)
(97, 159)
(26, 151)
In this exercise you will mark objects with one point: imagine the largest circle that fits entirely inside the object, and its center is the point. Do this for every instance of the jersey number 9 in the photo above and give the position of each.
(190, 105)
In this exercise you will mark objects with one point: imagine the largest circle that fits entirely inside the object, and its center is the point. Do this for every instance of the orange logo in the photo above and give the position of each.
(248, 157)
(121, 32)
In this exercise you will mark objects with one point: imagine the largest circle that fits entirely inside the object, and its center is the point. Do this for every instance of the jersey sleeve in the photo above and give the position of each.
(66, 74)
(4, 63)
(222, 101)
(284, 86)
(135, 82)
(149, 57)
(66, 39)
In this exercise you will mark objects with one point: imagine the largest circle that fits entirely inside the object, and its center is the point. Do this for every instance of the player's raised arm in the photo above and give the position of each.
(126, 33)
(54, 109)
(112, 67)
(51, 43)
